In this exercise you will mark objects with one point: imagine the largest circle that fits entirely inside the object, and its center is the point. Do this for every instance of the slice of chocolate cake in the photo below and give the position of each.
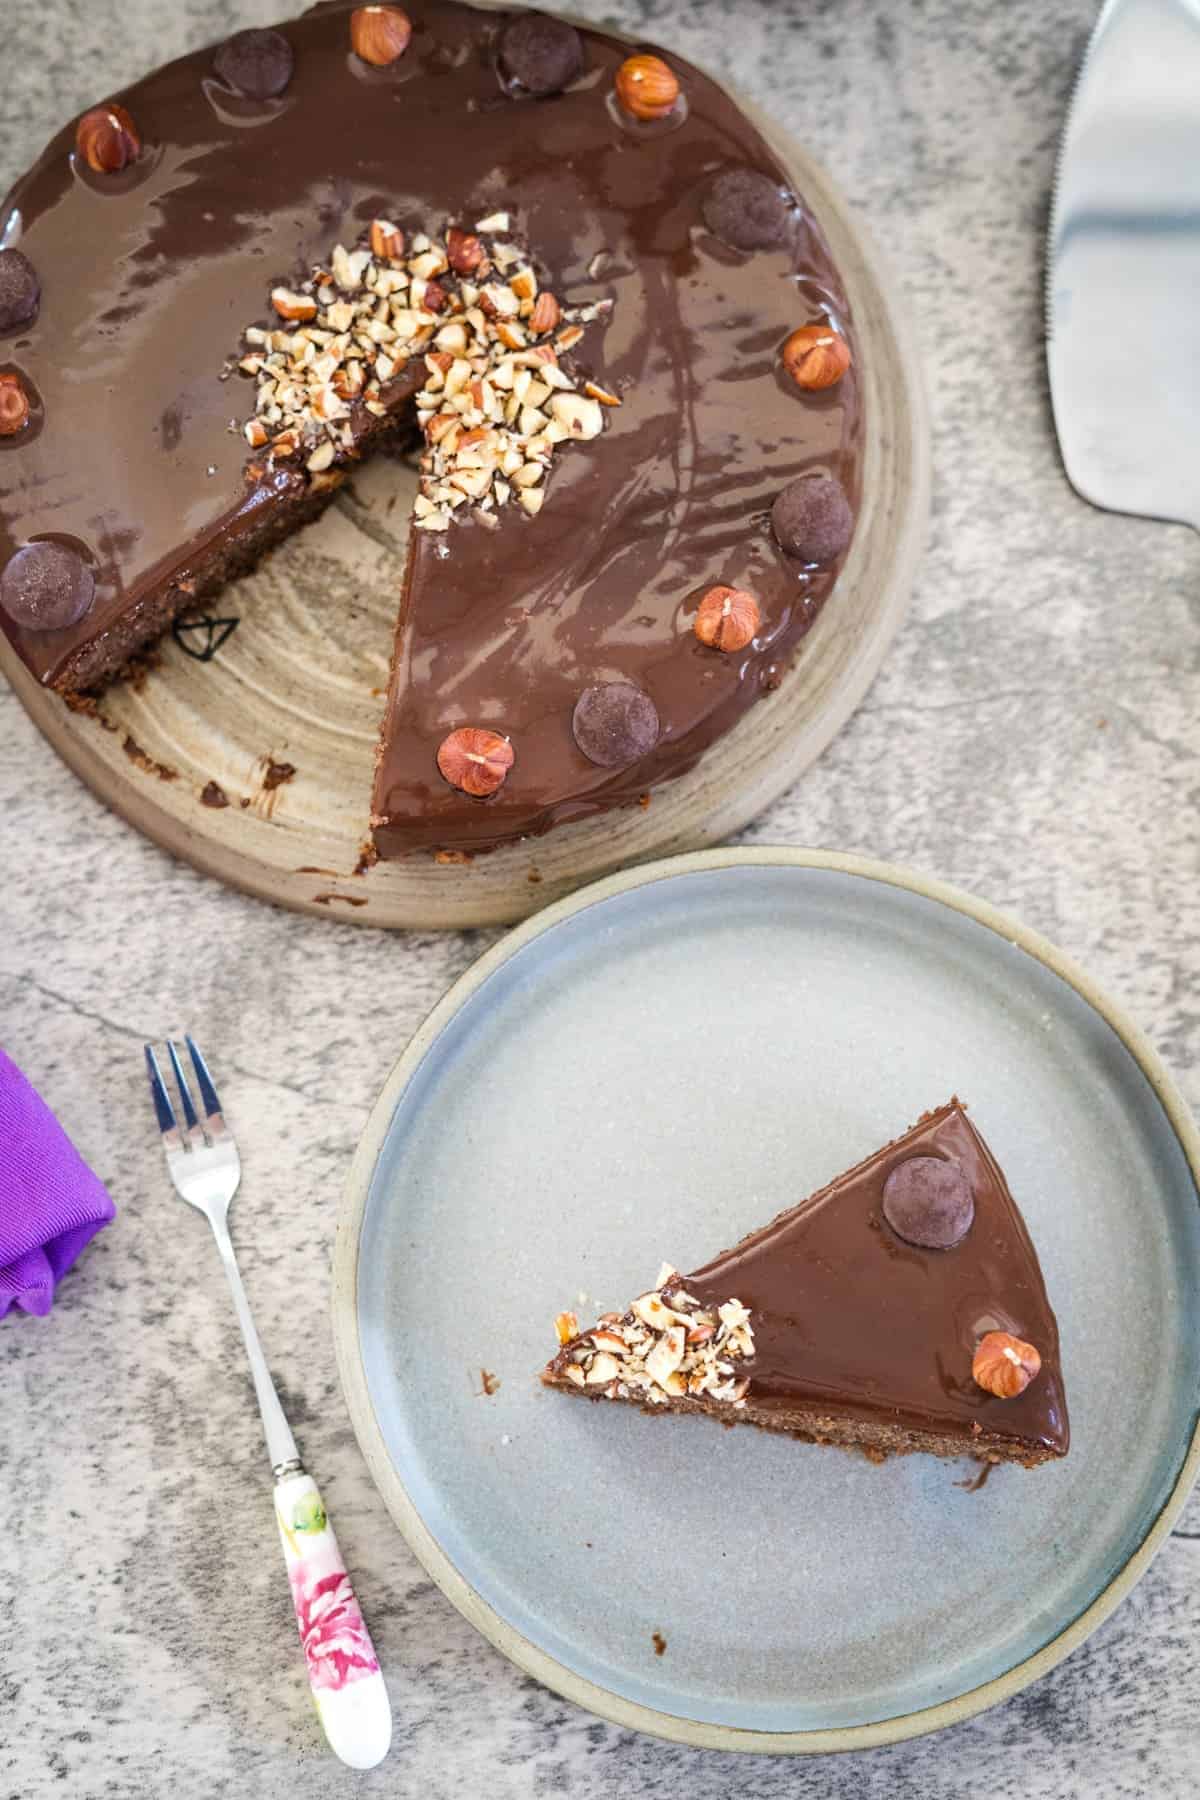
(900, 1308)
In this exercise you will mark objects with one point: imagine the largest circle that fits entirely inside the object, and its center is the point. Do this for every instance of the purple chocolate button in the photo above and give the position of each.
(928, 1201)
(46, 587)
(615, 723)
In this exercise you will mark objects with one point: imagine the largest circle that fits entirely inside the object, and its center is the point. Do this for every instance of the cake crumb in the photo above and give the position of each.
(659, 1642)
(136, 754)
(89, 705)
(139, 668)
(488, 1383)
(276, 774)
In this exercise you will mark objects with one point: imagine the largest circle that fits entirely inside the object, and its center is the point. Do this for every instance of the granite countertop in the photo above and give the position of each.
(1034, 736)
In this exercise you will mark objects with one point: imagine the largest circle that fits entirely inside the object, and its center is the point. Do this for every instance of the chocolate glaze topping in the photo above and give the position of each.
(149, 276)
(845, 1312)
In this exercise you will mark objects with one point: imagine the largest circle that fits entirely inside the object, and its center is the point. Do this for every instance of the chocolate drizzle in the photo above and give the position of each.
(501, 628)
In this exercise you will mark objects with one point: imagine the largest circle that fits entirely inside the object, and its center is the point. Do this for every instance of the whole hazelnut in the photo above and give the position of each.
(727, 620)
(816, 356)
(107, 139)
(475, 760)
(14, 405)
(1004, 1365)
(646, 87)
(379, 34)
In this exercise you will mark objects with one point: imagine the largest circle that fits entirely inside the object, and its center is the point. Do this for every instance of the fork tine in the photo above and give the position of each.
(185, 1093)
(164, 1111)
(208, 1093)
(195, 1137)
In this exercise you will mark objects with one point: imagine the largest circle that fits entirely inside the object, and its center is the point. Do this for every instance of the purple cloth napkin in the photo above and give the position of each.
(51, 1205)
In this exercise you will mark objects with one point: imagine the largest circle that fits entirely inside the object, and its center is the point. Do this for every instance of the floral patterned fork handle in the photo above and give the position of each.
(343, 1671)
(347, 1687)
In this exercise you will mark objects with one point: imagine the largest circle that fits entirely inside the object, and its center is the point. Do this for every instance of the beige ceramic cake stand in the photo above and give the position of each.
(301, 682)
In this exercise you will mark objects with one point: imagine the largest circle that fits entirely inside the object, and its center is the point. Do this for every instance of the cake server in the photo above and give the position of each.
(1123, 268)
(343, 1671)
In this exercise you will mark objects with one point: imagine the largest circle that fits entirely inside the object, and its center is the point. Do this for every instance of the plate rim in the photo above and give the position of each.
(521, 1651)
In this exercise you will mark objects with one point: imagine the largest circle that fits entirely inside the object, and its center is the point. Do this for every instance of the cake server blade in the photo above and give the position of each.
(1123, 266)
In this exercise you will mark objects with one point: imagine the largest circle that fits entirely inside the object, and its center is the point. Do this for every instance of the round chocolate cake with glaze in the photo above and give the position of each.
(569, 274)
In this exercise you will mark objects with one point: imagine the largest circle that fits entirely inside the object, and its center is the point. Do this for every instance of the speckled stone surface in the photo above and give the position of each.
(1034, 736)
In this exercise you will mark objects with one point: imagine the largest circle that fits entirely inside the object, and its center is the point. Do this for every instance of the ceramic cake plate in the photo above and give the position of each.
(257, 766)
(646, 1071)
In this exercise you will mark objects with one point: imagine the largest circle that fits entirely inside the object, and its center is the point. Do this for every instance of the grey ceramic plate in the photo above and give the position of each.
(647, 1071)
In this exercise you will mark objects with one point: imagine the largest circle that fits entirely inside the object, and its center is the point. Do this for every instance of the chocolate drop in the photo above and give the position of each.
(46, 587)
(257, 63)
(928, 1201)
(747, 210)
(812, 519)
(540, 54)
(615, 723)
(20, 290)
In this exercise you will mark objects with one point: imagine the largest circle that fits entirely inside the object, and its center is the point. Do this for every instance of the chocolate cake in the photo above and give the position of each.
(575, 277)
(901, 1308)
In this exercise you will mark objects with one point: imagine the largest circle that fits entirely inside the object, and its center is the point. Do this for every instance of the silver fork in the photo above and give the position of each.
(343, 1671)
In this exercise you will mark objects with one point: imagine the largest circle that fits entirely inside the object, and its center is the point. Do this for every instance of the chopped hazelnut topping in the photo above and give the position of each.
(495, 403)
(667, 1346)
